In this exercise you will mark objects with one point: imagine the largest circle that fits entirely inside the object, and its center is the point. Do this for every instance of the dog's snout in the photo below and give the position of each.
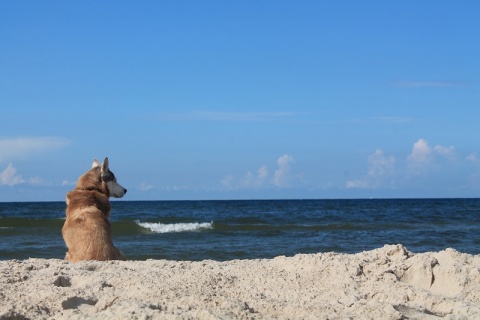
(124, 190)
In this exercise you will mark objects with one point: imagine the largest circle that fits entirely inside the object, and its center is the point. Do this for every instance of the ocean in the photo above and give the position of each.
(250, 229)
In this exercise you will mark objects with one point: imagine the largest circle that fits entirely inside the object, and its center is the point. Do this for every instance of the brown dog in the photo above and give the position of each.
(87, 231)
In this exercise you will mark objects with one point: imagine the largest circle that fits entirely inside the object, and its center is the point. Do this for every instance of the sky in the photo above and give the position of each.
(200, 100)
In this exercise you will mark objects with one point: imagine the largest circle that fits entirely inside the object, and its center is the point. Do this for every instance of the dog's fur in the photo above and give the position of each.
(87, 231)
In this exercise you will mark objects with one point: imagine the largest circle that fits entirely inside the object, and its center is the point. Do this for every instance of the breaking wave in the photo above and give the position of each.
(175, 227)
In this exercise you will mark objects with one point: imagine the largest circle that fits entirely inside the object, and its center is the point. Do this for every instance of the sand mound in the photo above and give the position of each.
(386, 283)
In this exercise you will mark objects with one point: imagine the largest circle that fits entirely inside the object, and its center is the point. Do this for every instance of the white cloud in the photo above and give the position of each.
(68, 183)
(262, 172)
(144, 186)
(9, 177)
(447, 152)
(174, 188)
(250, 180)
(228, 181)
(20, 147)
(381, 169)
(473, 157)
(380, 165)
(423, 155)
(357, 184)
(282, 175)
(255, 180)
(37, 181)
(424, 170)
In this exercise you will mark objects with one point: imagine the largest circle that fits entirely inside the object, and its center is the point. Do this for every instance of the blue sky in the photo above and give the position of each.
(241, 99)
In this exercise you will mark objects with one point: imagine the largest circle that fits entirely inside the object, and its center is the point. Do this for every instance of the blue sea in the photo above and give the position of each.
(226, 230)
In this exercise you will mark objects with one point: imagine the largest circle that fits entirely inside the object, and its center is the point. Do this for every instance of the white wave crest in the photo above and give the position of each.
(174, 227)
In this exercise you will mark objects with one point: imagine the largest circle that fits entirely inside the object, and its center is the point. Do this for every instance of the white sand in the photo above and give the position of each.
(386, 283)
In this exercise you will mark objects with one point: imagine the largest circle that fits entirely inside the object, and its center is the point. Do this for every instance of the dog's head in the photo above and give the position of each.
(115, 190)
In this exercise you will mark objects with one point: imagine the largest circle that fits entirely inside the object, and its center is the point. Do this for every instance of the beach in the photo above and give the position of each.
(386, 283)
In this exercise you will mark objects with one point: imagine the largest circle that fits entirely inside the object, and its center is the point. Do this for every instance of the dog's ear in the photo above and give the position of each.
(95, 163)
(105, 165)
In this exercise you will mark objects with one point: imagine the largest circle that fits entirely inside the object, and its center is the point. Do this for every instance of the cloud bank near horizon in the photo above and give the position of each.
(386, 171)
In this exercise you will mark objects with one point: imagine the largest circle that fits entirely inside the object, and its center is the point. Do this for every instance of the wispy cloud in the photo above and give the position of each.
(226, 116)
(175, 188)
(68, 183)
(144, 186)
(391, 119)
(374, 120)
(381, 119)
(430, 84)
(305, 117)
(20, 147)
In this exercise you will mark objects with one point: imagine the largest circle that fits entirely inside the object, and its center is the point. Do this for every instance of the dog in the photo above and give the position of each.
(87, 231)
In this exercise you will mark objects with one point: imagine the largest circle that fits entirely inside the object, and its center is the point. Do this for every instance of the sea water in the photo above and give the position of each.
(226, 230)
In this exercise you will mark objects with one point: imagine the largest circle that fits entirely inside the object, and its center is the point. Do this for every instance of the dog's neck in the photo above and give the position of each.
(97, 197)
(103, 190)
(92, 182)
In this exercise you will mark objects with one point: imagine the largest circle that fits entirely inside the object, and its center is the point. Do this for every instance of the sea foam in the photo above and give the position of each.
(174, 227)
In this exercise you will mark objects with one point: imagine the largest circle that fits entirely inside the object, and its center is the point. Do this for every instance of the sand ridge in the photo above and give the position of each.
(385, 283)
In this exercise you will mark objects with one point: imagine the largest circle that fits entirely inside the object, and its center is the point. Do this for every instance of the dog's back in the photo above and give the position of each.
(87, 231)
